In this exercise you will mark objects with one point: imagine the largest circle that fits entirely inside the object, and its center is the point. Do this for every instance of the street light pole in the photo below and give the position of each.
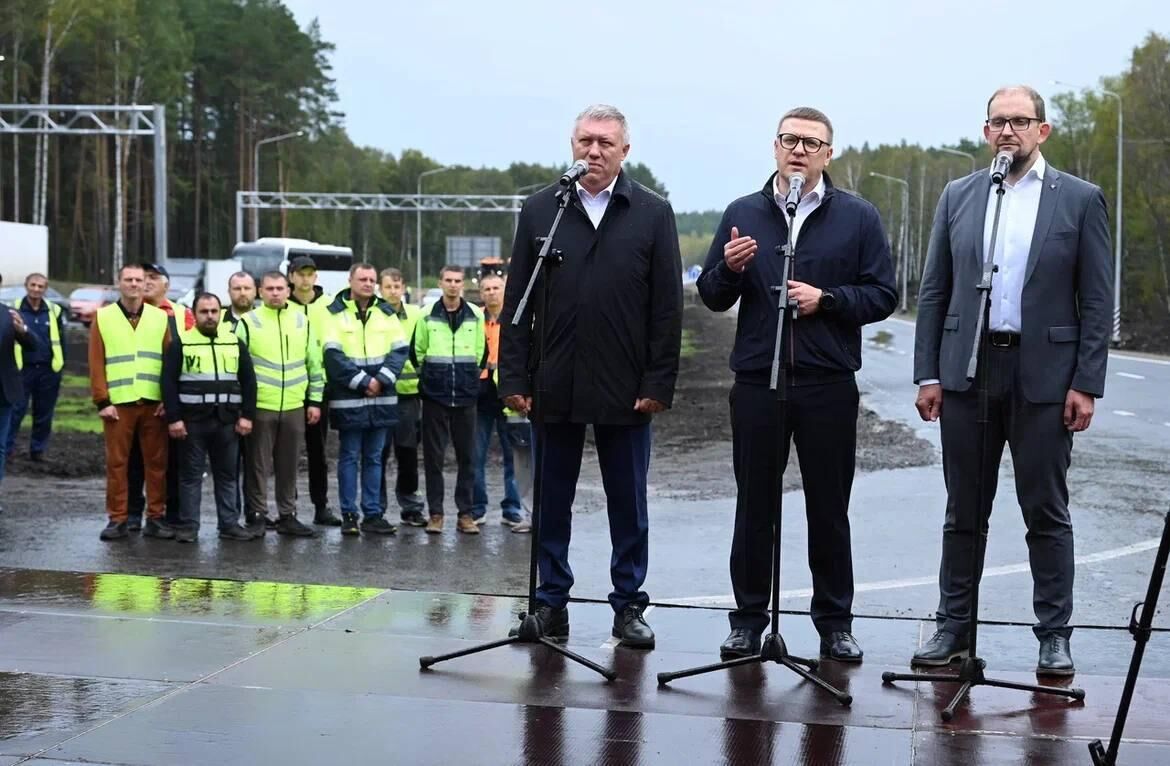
(1115, 337)
(902, 234)
(256, 174)
(959, 153)
(418, 224)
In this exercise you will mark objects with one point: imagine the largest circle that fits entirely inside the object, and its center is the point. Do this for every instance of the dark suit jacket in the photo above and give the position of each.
(11, 387)
(615, 309)
(1067, 302)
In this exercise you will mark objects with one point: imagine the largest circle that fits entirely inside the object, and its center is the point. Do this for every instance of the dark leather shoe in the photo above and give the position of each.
(291, 525)
(236, 532)
(157, 529)
(841, 646)
(942, 647)
(630, 626)
(741, 642)
(554, 623)
(114, 531)
(325, 518)
(1055, 657)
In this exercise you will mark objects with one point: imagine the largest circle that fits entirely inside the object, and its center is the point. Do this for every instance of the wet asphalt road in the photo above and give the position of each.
(1118, 486)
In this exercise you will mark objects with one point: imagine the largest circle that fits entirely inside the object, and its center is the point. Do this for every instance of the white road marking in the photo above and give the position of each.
(1124, 413)
(613, 642)
(1147, 360)
(1130, 375)
(914, 582)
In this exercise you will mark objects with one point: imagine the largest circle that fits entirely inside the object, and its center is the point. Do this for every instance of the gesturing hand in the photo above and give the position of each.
(738, 253)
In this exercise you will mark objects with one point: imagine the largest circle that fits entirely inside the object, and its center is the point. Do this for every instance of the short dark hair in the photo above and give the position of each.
(1027, 90)
(450, 267)
(810, 114)
(34, 275)
(205, 297)
(390, 273)
(273, 276)
(362, 266)
(130, 266)
(241, 275)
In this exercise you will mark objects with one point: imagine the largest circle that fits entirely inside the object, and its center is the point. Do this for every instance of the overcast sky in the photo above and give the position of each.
(702, 83)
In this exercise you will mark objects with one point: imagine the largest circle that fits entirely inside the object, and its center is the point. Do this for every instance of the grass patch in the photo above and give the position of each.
(688, 348)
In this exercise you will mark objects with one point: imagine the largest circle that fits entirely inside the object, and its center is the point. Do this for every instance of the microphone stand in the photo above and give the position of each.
(530, 630)
(1141, 634)
(773, 648)
(971, 669)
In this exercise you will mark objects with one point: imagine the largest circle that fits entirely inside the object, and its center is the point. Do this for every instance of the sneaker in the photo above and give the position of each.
(413, 518)
(159, 529)
(326, 518)
(186, 535)
(523, 527)
(134, 524)
(511, 519)
(479, 518)
(349, 525)
(236, 532)
(378, 525)
(467, 525)
(289, 525)
(435, 525)
(115, 530)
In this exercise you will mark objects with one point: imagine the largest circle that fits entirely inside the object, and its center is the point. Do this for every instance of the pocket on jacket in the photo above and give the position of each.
(951, 322)
(1064, 334)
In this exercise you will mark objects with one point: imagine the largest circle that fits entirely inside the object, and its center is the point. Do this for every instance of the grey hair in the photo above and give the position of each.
(604, 112)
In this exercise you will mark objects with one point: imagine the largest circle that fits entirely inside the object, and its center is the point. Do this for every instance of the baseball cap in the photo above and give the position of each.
(301, 262)
(157, 269)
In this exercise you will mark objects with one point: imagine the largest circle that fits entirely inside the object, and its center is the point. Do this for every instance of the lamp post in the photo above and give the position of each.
(256, 174)
(1116, 335)
(959, 153)
(901, 233)
(418, 223)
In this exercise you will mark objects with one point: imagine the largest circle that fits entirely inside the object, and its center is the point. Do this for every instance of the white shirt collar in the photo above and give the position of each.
(1036, 172)
(809, 197)
(603, 194)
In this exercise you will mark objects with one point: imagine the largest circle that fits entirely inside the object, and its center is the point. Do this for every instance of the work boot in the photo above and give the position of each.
(466, 525)
(290, 525)
(349, 525)
(236, 532)
(378, 525)
(413, 518)
(435, 525)
(158, 529)
(134, 524)
(325, 518)
(186, 535)
(255, 525)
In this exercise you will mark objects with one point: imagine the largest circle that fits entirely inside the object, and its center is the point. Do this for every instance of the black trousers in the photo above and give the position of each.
(822, 422)
(402, 443)
(316, 436)
(1041, 450)
(439, 425)
(209, 439)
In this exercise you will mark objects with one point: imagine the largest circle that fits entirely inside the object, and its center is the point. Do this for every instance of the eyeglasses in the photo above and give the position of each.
(1018, 123)
(811, 145)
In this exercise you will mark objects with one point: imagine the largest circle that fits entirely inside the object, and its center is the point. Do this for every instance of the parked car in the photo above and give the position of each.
(87, 299)
(12, 295)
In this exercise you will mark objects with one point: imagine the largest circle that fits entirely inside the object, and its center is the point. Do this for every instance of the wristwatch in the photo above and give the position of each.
(828, 301)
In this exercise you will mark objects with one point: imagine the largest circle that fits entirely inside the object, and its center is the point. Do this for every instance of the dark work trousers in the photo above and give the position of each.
(439, 425)
(208, 438)
(42, 386)
(402, 443)
(623, 454)
(1041, 449)
(136, 479)
(274, 449)
(822, 422)
(316, 437)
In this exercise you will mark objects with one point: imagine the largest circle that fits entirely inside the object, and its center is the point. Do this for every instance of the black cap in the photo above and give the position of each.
(157, 269)
(301, 262)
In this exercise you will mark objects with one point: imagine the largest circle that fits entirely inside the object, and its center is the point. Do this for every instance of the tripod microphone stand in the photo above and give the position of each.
(773, 648)
(530, 630)
(971, 670)
(1141, 634)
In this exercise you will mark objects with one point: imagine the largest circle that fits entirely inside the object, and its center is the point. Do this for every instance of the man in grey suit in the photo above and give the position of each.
(1049, 321)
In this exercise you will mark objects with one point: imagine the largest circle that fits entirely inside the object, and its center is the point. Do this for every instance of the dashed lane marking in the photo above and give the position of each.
(1131, 376)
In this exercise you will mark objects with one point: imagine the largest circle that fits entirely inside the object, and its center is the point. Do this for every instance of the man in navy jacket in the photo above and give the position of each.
(12, 331)
(842, 278)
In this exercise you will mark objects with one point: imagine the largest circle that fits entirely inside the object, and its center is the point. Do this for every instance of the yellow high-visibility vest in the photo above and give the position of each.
(133, 354)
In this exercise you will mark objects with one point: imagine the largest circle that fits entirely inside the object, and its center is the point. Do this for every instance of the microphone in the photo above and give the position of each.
(1000, 166)
(574, 173)
(795, 187)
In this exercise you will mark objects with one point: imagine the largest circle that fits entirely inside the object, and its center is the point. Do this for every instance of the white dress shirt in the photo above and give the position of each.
(595, 205)
(809, 202)
(1021, 203)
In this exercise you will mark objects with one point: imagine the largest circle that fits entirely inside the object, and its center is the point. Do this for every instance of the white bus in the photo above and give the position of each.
(274, 254)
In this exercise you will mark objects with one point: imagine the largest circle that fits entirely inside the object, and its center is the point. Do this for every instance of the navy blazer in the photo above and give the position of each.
(11, 388)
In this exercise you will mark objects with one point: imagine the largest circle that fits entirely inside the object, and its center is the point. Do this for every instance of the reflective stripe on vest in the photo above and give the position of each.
(58, 361)
(407, 383)
(210, 367)
(133, 354)
(286, 357)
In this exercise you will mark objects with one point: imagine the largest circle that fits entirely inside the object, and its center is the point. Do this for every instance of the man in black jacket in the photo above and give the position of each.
(613, 326)
(842, 278)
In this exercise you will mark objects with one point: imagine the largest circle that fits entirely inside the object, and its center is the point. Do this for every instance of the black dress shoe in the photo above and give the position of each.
(114, 531)
(325, 518)
(840, 645)
(741, 642)
(630, 626)
(942, 647)
(158, 530)
(1055, 657)
(290, 525)
(554, 623)
(238, 533)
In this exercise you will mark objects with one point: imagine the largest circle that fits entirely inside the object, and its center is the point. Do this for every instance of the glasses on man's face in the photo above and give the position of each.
(811, 145)
(1018, 123)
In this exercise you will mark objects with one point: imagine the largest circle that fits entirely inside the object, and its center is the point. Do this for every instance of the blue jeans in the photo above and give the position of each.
(43, 386)
(360, 446)
(5, 424)
(486, 424)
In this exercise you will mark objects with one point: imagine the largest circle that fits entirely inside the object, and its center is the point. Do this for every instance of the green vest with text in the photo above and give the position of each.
(209, 374)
